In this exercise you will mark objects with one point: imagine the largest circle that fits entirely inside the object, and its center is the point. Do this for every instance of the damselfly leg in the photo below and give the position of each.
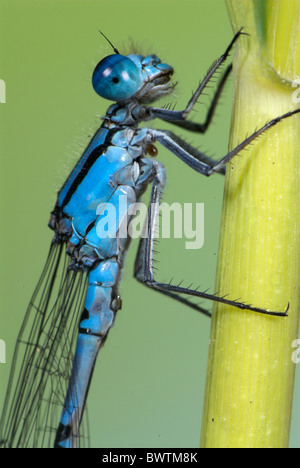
(144, 261)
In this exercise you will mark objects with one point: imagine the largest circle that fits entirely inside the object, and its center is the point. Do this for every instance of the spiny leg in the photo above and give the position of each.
(144, 272)
(176, 116)
(249, 140)
(202, 127)
(141, 257)
(192, 157)
(195, 153)
(209, 74)
(139, 275)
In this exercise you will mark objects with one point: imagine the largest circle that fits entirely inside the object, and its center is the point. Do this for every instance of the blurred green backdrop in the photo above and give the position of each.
(148, 386)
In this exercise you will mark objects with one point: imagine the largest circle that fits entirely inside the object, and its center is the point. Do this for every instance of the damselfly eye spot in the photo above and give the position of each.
(152, 150)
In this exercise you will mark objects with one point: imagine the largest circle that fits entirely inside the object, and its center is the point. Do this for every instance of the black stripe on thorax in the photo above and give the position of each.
(95, 154)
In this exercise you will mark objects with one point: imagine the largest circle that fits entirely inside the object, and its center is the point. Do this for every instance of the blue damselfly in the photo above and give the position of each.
(79, 284)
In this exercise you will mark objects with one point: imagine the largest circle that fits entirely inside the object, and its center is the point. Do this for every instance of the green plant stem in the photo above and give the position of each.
(250, 373)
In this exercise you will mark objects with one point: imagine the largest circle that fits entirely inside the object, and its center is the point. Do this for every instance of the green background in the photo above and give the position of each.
(148, 386)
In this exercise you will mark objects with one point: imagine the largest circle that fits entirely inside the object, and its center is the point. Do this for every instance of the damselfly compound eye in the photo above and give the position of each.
(116, 78)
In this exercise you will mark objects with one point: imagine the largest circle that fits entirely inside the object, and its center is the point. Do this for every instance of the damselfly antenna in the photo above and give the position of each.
(115, 50)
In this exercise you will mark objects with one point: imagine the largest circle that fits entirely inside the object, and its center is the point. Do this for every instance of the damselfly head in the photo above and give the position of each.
(119, 78)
